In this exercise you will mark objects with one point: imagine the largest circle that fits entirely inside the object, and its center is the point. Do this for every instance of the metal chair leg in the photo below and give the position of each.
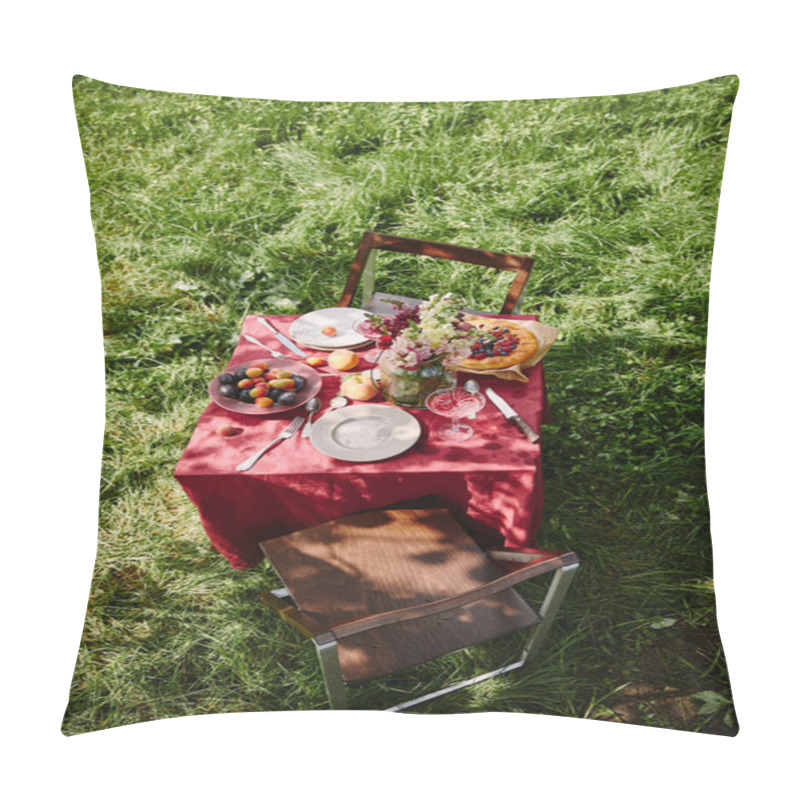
(328, 654)
(552, 602)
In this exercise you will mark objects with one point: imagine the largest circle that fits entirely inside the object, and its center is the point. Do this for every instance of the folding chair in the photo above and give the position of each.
(381, 591)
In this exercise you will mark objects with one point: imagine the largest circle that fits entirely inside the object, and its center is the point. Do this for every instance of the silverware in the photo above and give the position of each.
(510, 414)
(289, 431)
(312, 406)
(253, 340)
(284, 340)
(337, 401)
(473, 387)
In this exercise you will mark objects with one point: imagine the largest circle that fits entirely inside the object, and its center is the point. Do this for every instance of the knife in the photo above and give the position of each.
(284, 340)
(510, 414)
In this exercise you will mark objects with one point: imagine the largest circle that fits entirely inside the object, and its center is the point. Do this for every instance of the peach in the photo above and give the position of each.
(315, 361)
(343, 359)
(329, 331)
(359, 387)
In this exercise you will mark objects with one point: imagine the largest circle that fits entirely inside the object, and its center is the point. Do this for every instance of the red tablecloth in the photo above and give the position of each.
(492, 482)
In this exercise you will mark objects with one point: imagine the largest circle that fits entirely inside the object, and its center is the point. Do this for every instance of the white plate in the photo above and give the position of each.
(308, 328)
(365, 433)
(331, 349)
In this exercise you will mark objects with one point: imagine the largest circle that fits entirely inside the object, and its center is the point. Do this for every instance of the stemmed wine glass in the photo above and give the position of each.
(370, 330)
(455, 403)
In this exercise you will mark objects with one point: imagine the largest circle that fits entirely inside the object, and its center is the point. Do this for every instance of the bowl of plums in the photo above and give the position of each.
(265, 387)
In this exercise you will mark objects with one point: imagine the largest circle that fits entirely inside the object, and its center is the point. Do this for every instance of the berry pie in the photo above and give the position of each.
(500, 345)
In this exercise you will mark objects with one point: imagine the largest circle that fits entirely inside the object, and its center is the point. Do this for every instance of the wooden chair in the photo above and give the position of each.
(384, 590)
(364, 269)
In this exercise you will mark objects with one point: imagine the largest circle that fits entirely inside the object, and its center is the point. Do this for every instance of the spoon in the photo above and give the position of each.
(338, 401)
(312, 406)
(473, 387)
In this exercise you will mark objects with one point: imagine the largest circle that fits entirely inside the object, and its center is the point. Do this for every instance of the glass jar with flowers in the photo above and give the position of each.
(420, 348)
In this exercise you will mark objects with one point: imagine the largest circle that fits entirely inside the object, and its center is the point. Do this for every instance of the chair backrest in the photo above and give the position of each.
(364, 266)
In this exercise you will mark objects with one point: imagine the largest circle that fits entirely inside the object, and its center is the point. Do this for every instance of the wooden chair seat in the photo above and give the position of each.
(382, 561)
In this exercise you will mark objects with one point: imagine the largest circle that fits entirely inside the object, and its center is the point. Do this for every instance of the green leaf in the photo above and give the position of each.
(712, 702)
(664, 622)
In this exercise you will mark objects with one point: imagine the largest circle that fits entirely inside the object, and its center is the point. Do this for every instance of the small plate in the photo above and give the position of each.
(311, 389)
(308, 328)
(365, 433)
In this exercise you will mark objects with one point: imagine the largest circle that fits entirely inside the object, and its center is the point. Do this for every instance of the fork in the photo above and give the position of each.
(253, 340)
(289, 431)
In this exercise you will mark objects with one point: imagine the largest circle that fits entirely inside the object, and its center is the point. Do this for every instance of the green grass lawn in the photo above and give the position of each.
(209, 208)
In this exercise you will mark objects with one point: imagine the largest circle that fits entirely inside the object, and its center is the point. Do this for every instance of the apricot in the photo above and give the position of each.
(264, 402)
(359, 387)
(262, 365)
(329, 331)
(282, 383)
(259, 391)
(245, 384)
(343, 359)
(227, 430)
(283, 373)
(254, 372)
(315, 361)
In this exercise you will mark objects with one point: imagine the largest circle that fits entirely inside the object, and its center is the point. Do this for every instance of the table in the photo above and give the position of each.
(492, 482)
